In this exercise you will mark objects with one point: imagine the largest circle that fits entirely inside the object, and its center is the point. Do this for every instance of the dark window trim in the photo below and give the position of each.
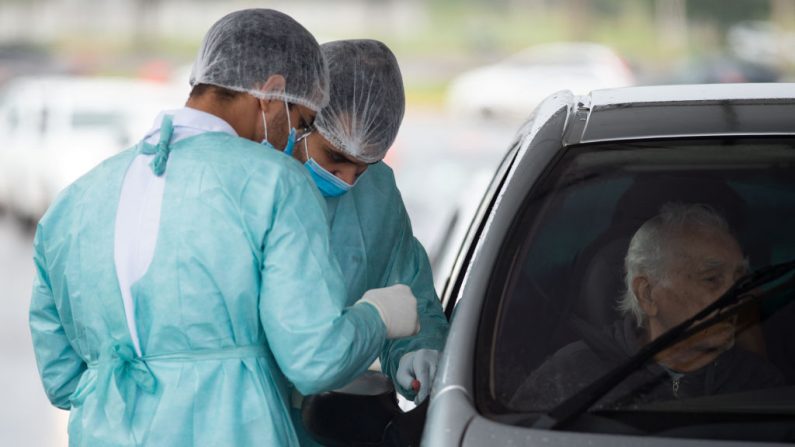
(468, 245)
(485, 401)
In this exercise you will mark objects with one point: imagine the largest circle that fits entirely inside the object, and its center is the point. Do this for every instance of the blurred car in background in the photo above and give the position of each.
(541, 267)
(762, 42)
(510, 89)
(722, 68)
(55, 128)
(19, 59)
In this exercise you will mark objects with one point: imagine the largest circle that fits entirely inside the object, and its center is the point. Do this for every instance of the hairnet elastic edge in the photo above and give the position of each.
(315, 107)
(340, 146)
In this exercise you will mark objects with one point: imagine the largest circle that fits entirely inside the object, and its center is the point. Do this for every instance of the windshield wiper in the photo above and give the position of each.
(728, 304)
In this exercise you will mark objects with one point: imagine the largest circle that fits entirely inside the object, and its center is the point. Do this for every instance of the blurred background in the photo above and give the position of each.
(83, 79)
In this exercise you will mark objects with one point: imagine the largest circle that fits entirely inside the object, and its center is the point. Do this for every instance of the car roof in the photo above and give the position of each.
(635, 113)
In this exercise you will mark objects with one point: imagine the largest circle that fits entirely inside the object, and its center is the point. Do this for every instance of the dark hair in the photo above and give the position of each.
(222, 93)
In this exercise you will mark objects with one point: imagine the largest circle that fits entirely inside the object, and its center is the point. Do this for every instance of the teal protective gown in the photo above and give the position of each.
(372, 239)
(242, 296)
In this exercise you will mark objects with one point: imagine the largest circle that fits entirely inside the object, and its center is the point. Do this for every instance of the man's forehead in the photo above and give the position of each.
(346, 156)
(325, 144)
(705, 247)
(712, 263)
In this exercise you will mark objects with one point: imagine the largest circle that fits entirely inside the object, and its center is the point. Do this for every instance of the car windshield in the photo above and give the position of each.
(622, 241)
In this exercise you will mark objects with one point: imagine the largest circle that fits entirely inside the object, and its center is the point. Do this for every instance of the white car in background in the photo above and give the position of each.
(509, 90)
(53, 129)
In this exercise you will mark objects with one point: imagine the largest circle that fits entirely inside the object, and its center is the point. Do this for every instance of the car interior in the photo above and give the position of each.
(561, 267)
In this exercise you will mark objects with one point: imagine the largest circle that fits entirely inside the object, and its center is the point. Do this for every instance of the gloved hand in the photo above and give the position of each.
(418, 365)
(397, 307)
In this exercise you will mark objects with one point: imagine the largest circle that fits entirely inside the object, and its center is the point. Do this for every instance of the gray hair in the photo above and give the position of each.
(649, 249)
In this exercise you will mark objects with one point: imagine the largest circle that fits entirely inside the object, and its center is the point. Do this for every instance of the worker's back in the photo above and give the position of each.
(209, 377)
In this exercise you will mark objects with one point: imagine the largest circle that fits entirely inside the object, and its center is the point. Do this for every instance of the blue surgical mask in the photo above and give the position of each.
(288, 149)
(329, 184)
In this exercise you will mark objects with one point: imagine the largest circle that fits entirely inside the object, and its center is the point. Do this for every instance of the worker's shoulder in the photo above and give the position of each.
(110, 168)
(253, 157)
(96, 181)
(382, 173)
(379, 180)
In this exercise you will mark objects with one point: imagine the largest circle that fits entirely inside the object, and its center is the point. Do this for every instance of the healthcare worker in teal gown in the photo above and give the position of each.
(184, 286)
(371, 233)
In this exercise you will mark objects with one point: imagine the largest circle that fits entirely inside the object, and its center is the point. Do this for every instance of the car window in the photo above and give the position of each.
(474, 230)
(557, 316)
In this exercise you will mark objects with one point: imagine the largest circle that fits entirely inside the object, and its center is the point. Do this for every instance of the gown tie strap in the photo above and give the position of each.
(163, 148)
(119, 374)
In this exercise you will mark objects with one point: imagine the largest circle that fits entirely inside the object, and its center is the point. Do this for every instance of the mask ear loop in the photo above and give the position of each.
(306, 147)
(264, 124)
(287, 110)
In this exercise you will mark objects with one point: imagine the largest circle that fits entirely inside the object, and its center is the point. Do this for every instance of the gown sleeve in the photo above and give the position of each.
(60, 366)
(410, 265)
(318, 343)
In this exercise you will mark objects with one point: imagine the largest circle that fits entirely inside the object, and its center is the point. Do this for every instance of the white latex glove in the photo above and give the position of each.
(418, 365)
(397, 307)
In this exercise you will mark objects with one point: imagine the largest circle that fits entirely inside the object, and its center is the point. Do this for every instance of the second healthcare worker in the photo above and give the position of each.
(181, 284)
(371, 233)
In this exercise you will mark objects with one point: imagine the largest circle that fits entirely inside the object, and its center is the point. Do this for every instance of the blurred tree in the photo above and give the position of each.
(579, 14)
(782, 13)
(145, 13)
(723, 13)
(671, 22)
(608, 8)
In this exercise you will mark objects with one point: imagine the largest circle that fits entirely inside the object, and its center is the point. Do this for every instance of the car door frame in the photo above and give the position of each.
(452, 405)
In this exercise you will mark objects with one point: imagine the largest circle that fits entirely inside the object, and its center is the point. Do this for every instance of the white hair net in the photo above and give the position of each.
(243, 49)
(366, 101)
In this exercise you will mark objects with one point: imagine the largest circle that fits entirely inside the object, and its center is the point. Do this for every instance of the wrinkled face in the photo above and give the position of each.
(701, 266)
(330, 158)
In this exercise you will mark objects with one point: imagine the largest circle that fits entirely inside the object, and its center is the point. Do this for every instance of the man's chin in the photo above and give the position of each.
(700, 349)
(716, 338)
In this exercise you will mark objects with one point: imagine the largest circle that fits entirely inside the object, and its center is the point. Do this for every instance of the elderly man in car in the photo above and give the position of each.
(678, 262)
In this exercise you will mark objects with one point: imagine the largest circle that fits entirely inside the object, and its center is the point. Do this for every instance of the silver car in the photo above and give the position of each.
(541, 349)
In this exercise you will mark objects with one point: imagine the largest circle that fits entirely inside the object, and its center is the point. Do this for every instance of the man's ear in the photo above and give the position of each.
(641, 287)
(274, 84)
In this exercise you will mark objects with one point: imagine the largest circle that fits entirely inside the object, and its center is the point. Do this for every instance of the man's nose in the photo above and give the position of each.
(347, 174)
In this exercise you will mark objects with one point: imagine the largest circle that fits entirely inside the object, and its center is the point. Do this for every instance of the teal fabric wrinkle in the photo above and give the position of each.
(372, 239)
